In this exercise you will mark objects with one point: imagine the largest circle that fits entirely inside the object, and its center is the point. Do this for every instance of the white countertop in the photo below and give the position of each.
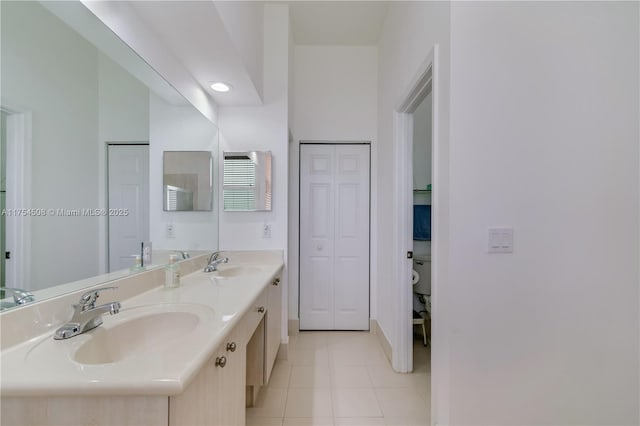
(43, 366)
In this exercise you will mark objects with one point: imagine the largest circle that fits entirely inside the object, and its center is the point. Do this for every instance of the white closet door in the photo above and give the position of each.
(334, 237)
(128, 189)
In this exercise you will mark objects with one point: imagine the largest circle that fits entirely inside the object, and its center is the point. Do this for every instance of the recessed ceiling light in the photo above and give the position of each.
(219, 86)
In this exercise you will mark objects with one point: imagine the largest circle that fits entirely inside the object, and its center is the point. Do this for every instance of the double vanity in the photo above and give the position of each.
(192, 355)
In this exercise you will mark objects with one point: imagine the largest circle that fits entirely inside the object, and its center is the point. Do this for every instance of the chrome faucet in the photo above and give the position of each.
(214, 261)
(86, 314)
(20, 297)
(185, 254)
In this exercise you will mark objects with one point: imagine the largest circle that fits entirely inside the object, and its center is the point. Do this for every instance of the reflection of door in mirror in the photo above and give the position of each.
(15, 223)
(128, 209)
(3, 191)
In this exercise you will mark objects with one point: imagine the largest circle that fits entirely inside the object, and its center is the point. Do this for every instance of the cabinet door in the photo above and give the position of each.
(216, 397)
(233, 379)
(199, 404)
(274, 326)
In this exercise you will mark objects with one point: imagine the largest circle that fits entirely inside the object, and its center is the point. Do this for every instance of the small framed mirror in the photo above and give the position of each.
(187, 181)
(247, 181)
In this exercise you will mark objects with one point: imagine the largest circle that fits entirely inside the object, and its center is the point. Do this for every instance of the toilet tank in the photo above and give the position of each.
(422, 265)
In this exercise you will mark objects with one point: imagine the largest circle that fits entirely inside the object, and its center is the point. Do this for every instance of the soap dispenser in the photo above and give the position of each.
(172, 273)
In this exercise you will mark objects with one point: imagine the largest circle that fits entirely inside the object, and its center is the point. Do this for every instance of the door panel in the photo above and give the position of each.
(320, 200)
(128, 189)
(348, 206)
(334, 237)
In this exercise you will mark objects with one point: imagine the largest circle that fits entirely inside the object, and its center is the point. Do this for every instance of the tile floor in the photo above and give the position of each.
(343, 378)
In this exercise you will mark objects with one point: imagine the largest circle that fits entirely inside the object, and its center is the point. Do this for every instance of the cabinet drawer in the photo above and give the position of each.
(253, 317)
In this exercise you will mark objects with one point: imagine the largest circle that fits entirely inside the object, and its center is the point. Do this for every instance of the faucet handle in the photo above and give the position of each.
(20, 297)
(88, 299)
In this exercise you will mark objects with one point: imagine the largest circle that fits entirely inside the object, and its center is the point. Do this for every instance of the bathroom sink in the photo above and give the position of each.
(138, 332)
(137, 336)
(235, 271)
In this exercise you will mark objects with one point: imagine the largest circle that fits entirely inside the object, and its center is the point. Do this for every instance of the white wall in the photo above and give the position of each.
(123, 116)
(124, 104)
(179, 128)
(64, 157)
(262, 128)
(123, 21)
(244, 22)
(334, 99)
(544, 138)
(409, 34)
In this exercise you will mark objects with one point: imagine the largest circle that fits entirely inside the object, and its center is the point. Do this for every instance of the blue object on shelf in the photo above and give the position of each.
(422, 222)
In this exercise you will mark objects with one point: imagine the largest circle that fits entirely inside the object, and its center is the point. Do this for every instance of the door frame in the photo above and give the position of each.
(424, 81)
(403, 142)
(18, 229)
(300, 143)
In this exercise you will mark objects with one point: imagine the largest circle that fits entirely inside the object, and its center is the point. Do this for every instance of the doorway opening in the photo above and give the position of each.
(421, 229)
(424, 86)
(16, 197)
(3, 194)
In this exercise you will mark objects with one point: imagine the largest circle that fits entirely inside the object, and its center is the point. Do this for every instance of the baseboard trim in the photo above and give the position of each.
(294, 327)
(283, 351)
(382, 339)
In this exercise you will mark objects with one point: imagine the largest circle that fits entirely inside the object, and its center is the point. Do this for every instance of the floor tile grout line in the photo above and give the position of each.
(332, 382)
(378, 401)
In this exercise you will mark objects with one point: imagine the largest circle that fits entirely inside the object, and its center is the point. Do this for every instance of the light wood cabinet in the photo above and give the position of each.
(216, 395)
(84, 410)
(256, 348)
(274, 326)
(263, 346)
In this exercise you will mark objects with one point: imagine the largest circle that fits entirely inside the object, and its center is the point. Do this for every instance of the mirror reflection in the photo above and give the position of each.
(247, 181)
(84, 122)
(188, 181)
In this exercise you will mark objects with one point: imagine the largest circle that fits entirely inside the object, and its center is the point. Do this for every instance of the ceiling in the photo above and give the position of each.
(195, 34)
(337, 22)
(222, 40)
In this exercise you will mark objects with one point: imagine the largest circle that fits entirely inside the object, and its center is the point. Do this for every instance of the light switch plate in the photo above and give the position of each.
(500, 240)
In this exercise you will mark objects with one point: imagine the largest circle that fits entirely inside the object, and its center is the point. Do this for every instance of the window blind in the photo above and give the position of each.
(239, 190)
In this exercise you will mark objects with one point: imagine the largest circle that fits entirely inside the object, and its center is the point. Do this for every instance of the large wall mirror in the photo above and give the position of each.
(247, 181)
(84, 120)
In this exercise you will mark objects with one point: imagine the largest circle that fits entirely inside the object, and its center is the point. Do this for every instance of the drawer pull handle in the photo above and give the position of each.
(276, 281)
(231, 347)
(261, 309)
(221, 361)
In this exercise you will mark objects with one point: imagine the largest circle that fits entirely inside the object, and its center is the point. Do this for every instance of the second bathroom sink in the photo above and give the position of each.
(235, 271)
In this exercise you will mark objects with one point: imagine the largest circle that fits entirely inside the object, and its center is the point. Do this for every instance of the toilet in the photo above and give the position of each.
(422, 291)
(422, 265)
